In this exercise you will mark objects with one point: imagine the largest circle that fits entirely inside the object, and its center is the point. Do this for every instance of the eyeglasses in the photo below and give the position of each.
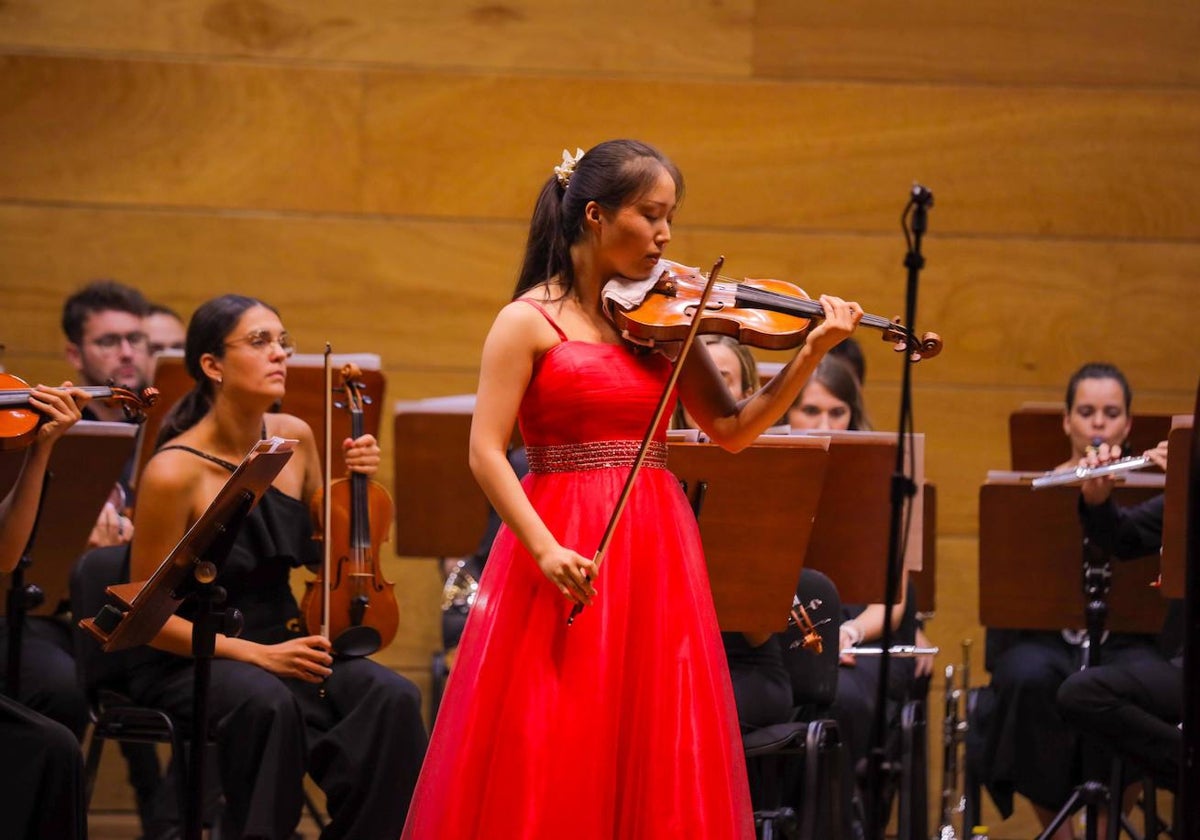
(112, 341)
(261, 340)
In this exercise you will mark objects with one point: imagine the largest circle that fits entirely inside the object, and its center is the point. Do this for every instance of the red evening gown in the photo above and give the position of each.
(621, 726)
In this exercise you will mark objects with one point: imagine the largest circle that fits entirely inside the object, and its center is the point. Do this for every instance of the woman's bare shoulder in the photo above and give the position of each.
(288, 426)
(171, 469)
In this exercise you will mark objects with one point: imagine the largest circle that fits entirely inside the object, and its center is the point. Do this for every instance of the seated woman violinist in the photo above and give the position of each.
(280, 704)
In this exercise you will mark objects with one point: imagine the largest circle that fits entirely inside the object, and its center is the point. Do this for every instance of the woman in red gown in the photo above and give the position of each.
(621, 725)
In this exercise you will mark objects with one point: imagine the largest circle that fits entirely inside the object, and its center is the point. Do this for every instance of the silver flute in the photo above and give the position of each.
(1078, 475)
(900, 651)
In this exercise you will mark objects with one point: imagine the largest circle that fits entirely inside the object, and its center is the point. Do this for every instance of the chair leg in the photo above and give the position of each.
(1150, 808)
(92, 766)
(822, 771)
(913, 807)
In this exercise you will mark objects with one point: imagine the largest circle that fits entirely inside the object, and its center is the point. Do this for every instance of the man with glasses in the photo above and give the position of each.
(106, 340)
(107, 343)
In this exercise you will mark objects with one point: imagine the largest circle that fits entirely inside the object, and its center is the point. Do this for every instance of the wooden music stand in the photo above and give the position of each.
(754, 545)
(850, 540)
(144, 606)
(85, 465)
(440, 509)
(925, 579)
(305, 398)
(1030, 560)
(1036, 440)
(1174, 551)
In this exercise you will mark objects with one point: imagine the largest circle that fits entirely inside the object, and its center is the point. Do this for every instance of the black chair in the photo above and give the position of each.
(103, 676)
(797, 768)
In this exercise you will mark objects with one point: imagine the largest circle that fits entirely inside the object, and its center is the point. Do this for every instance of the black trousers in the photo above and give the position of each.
(1135, 708)
(1028, 746)
(49, 682)
(41, 777)
(363, 743)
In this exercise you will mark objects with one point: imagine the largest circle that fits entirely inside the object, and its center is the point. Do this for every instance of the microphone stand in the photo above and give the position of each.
(902, 490)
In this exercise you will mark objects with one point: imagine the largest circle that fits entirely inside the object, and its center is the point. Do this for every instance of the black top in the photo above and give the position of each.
(275, 538)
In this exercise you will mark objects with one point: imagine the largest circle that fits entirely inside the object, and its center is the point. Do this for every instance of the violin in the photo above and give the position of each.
(770, 314)
(19, 424)
(350, 601)
(810, 637)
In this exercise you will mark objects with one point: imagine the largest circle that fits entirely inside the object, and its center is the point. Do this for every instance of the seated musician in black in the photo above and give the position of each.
(280, 704)
(1134, 707)
(41, 776)
(1027, 748)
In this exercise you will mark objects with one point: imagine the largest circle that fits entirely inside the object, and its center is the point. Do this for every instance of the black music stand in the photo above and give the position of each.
(1009, 512)
(85, 464)
(755, 549)
(190, 572)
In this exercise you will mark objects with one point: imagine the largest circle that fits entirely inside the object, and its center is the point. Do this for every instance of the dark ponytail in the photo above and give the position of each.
(206, 334)
(612, 174)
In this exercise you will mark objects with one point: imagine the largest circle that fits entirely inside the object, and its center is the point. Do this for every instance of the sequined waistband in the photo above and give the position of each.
(594, 455)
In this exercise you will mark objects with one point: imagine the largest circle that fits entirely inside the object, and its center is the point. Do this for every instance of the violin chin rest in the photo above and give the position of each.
(357, 642)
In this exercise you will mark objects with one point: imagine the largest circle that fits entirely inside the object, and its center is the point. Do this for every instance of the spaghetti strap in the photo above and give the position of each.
(204, 455)
(561, 335)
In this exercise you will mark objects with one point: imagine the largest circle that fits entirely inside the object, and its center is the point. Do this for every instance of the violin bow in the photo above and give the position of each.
(326, 502)
(619, 508)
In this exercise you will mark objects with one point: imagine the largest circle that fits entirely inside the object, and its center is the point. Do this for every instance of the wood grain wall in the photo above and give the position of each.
(369, 166)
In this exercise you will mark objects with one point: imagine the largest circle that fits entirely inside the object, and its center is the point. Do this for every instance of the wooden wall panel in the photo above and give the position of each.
(688, 37)
(178, 134)
(1111, 42)
(1020, 164)
(1016, 314)
(810, 157)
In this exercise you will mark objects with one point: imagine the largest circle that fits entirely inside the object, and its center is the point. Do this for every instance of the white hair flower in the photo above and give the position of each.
(564, 170)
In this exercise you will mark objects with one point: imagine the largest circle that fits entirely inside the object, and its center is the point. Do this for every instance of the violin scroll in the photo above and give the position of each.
(903, 341)
(134, 404)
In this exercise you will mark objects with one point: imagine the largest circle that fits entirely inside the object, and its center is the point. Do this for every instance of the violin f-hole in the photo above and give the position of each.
(711, 306)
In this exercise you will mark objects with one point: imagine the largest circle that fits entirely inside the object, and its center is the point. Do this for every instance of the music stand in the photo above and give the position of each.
(190, 571)
(85, 464)
(925, 580)
(754, 547)
(305, 398)
(850, 539)
(1174, 550)
(1034, 535)
(440, 509)
(1027, 535)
